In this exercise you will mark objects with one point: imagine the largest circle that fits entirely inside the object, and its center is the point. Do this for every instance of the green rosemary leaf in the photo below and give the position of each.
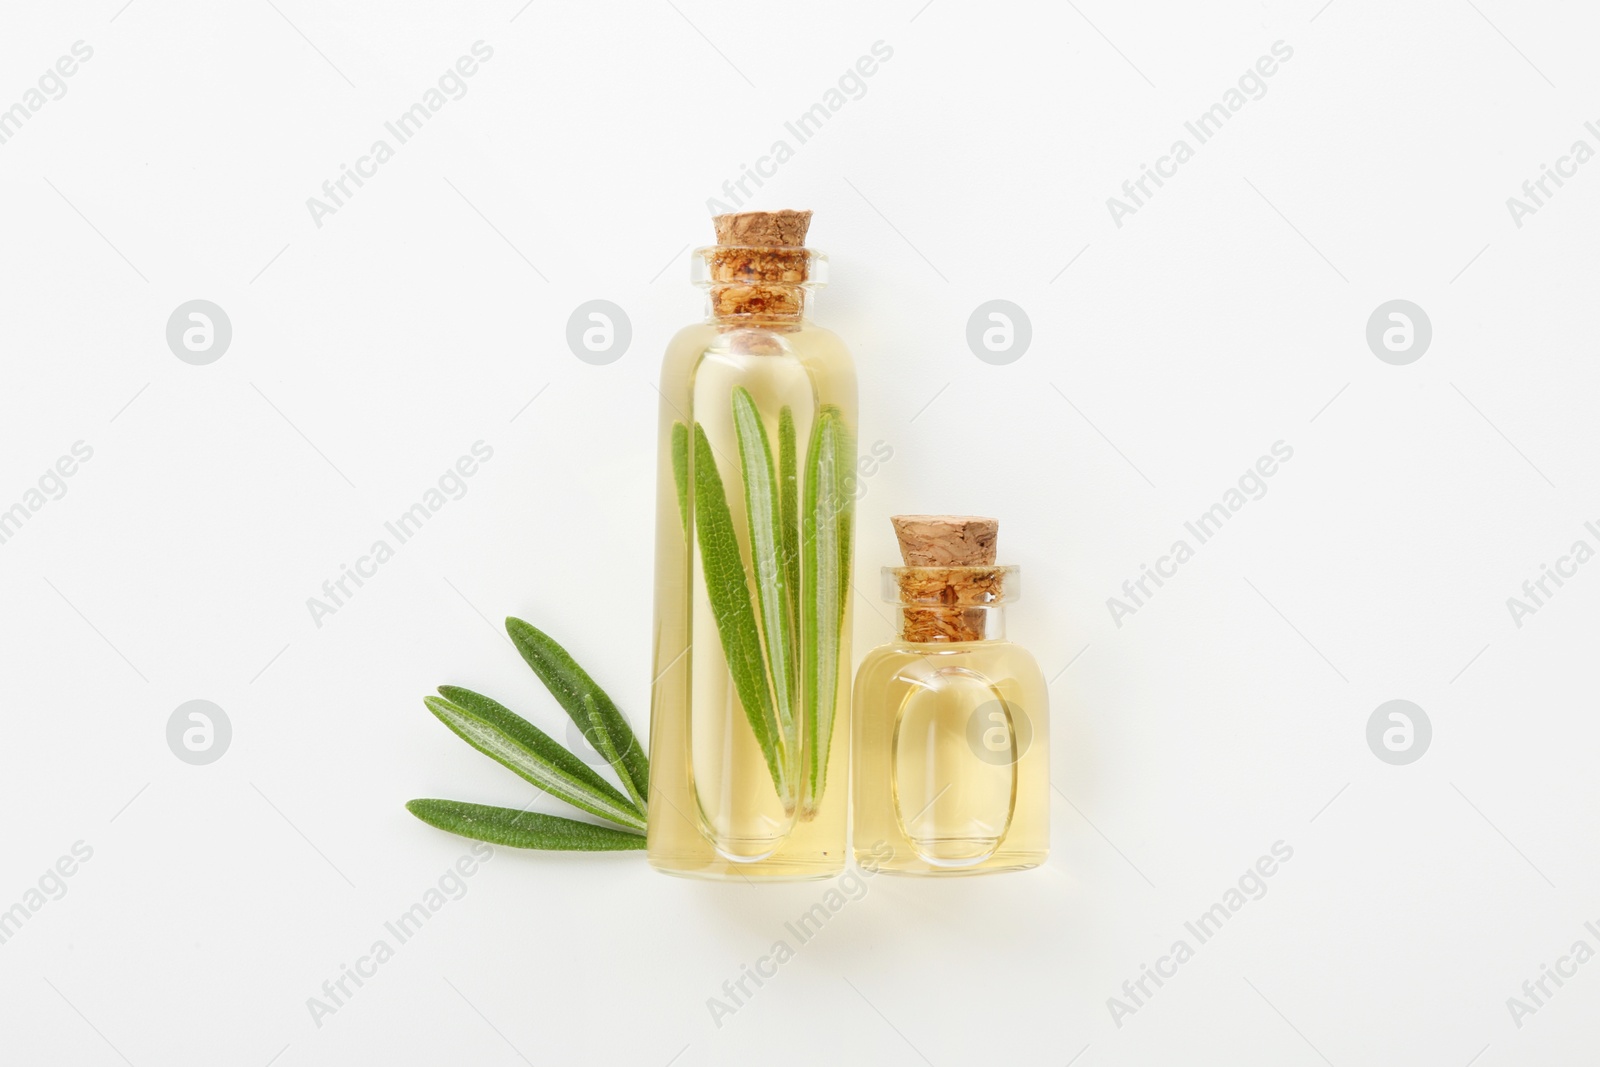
(789, 526)
(680, 469)
(728, 589)
(603, 744)
(512, 741)
(823, 582)
(522, 829)
(568, 683)
(845, 455)
(763, 510)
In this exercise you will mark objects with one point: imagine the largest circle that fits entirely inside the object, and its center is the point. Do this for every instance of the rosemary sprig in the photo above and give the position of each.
(511, 740)
(786, 671)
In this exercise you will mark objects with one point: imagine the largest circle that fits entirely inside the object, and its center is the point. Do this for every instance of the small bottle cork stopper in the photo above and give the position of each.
(946, 540)
(946, 599)
(763, 229)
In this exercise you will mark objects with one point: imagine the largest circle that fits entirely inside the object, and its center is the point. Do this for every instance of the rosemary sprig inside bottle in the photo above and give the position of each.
(799, 551)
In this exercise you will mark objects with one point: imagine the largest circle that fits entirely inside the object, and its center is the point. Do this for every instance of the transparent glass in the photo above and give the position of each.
(753, 547)
(952, 743)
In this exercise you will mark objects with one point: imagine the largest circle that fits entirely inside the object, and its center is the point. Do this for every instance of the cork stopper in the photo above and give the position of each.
(955, 578)
(763, 229)
(946, 540)
(759, 265)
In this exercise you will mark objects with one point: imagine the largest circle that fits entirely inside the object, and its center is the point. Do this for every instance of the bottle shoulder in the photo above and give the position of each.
(817, 348)
(1016, 659)
(806, 337)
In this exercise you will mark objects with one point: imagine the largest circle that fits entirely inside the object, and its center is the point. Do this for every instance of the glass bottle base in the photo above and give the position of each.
(915, 866)
(722, 870)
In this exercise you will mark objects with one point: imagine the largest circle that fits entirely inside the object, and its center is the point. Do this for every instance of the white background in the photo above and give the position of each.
(1229, 713)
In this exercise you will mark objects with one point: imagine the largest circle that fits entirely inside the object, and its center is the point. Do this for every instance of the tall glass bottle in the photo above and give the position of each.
(753, 547)
(951, 721)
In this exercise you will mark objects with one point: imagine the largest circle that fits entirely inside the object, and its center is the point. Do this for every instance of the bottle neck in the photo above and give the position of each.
(938, 626)
(741, 304)
(749, 286)
(945, 605)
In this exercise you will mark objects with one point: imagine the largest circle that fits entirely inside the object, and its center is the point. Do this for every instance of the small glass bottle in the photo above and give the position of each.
(951, 720)
(748, 775)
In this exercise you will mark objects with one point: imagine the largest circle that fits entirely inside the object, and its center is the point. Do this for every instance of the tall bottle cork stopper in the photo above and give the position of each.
(763, 229)
(946, 597)
(759, 264)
